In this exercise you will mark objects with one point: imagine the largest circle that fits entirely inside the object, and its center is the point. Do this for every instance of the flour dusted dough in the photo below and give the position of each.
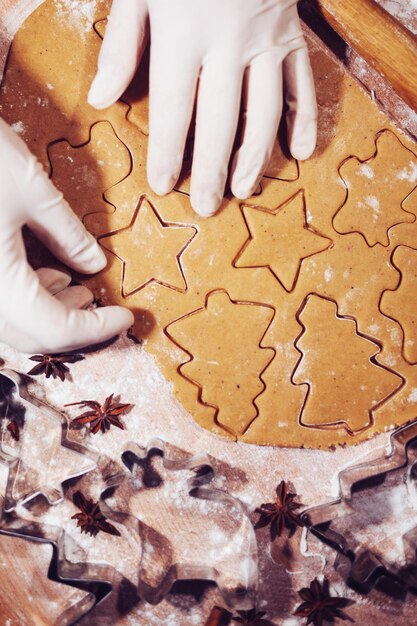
(267, 317)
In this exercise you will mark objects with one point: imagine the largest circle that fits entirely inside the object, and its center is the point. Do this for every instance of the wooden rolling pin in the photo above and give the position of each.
(389, 47)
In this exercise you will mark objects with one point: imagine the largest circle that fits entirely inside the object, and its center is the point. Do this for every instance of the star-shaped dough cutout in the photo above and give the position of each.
(44, 457)
(280, 239)
(150, 250)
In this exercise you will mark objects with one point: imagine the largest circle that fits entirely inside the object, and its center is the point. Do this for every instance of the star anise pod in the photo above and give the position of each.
(252, 618)
(13, 428)
(91, 520)
(281, 513)
(53, 364)
(319, 605)
(101, 416)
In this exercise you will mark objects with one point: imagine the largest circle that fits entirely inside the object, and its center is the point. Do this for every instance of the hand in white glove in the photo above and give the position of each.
(211, 43)
(38, 311)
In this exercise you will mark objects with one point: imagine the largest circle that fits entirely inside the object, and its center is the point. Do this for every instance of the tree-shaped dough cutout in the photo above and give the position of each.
(345, 390)
(399, 304)
(376, 193)
(227, 359)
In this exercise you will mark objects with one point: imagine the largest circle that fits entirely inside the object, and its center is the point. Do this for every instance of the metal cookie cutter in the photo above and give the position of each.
(44, 457)
(59, 459)
(373, 523)
(95, 579)
(188, 530)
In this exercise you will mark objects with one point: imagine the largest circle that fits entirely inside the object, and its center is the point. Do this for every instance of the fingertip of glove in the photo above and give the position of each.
(162, 185)
(99, 104)
(98, 96)
(94, 261)
(206, 205)
(100, 260)
(122, 318)
(302, 152)
(242, 191)
(304, 141)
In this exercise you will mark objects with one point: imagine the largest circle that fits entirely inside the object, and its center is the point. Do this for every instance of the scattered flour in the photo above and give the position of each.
(19, 128)
(405, 11)
(408, 173)
(372, 202)
(82, 12)
(367, 171)
(328, 274)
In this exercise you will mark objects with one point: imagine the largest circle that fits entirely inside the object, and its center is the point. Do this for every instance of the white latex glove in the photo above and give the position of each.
(32, 319)
(211, 43)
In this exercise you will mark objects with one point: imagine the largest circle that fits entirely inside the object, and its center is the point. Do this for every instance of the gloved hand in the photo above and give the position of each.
(38, 311)
(210, 44)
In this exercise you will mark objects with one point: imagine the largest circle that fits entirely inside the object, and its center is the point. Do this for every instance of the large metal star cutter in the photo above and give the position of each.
(373, 523)
(44, 457)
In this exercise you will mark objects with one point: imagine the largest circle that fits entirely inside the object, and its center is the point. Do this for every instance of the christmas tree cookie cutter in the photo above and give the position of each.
(95, 579)
(368, 555)
(189, 530)
(36, 461)
(109, 560)
(16, 402)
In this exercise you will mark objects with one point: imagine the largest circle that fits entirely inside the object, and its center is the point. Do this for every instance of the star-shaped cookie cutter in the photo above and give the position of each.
(359, 566)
